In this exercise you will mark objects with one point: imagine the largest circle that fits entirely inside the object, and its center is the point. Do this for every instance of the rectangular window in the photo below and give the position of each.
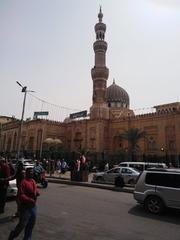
(172, 145)
(163, 179)
(139, 167)
(123, 165)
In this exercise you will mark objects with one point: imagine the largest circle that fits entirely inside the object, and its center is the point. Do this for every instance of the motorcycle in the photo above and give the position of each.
(40, 178)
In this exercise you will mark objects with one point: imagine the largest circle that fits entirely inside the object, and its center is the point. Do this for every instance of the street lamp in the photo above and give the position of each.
(162, 151)
(24, 90)
(165, 157)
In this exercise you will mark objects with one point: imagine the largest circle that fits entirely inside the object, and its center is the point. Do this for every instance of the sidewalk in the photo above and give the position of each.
(65, 179)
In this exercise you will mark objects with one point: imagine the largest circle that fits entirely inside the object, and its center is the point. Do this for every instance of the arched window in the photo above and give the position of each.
(14, 141)
(9, 144)
(151, 144)
(117, 143)
(4, 143)
(78, 140)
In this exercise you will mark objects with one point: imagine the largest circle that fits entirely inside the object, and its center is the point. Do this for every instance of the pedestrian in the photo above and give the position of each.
(78, 170)
(4, 183)
(27, 196)
(83, 169)
(51, 166)
(44, 164)
(11, 168)
(63, 166)
(106, 167)
(19, 176)
(58, 166)
(38, 168)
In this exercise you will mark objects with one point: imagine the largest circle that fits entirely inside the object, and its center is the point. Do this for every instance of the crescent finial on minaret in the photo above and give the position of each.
(100, 15)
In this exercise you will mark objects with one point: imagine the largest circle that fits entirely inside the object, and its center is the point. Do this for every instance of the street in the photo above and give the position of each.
(79, 213)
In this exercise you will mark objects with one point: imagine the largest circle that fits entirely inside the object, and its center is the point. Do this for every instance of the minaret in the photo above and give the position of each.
(100, 73)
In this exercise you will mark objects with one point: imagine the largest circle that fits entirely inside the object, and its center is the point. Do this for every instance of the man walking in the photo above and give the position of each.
(27, 195)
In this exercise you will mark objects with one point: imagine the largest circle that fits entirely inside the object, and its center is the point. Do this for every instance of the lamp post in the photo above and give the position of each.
(165, 157)
(24, 90)
(162, 151)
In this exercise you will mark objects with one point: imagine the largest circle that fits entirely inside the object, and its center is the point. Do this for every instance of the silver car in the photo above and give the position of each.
(128, 174)
(25, 162)
(157, 189)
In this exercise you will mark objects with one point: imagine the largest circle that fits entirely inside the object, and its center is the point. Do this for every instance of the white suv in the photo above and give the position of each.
(158, 188)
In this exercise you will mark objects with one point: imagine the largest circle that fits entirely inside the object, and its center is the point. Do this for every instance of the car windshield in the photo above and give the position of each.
(114, 170)
(137, 170)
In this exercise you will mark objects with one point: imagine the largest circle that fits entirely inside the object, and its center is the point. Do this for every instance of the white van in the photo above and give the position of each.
(141, 166)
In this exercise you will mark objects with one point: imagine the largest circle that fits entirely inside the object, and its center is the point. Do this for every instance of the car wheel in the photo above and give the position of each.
(154, 205)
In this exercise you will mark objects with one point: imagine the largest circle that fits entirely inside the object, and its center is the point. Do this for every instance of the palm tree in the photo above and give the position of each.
(132, 135)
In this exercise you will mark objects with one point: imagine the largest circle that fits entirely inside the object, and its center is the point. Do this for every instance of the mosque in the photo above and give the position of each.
(98, 135)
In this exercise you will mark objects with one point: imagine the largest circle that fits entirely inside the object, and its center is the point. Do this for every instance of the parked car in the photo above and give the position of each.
(128, 174)
(27, 162)
(141, 166)
(12, 189)
(157, 189)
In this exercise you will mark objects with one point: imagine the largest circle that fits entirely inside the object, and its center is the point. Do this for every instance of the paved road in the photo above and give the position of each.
(77, 213)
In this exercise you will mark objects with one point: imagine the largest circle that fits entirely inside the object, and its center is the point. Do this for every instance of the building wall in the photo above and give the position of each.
(98, 136)
(33, 135)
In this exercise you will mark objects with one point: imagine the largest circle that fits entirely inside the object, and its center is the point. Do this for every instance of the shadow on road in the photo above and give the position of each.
(170, 215)
(66, 186)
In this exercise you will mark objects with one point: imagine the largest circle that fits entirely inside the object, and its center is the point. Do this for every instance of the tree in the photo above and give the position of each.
(132, 135)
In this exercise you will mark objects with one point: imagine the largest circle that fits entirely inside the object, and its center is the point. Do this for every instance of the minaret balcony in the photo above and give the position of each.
(100, 27)
(99, 72)
(100, 45)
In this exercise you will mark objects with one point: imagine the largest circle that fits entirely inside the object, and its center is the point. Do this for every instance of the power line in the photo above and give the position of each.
(67, 109)
(52, 104)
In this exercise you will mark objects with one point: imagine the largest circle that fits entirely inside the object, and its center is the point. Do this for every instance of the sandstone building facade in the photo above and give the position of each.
(110, 115)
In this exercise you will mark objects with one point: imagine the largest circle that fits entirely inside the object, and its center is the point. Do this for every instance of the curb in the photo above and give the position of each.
(92, 185)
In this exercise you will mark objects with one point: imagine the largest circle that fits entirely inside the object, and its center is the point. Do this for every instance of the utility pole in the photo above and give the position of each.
(24, 90)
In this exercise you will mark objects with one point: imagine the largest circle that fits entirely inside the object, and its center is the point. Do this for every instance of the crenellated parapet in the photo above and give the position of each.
(154, 115)
(150, 115)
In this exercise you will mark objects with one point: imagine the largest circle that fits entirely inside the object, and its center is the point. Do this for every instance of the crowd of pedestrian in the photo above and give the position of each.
(51, 166)
(27, 190)
(79, 168)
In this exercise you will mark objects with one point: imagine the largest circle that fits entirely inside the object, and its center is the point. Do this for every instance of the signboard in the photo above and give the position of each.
(40, 114)
(78, 115)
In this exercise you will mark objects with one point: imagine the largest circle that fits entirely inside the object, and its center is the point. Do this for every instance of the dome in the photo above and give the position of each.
(117, 96)
(67, 120)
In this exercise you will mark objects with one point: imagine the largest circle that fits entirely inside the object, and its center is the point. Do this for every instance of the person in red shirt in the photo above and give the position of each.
(27, 196)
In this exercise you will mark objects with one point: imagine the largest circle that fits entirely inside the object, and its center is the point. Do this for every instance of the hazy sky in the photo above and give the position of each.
(47, 46)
